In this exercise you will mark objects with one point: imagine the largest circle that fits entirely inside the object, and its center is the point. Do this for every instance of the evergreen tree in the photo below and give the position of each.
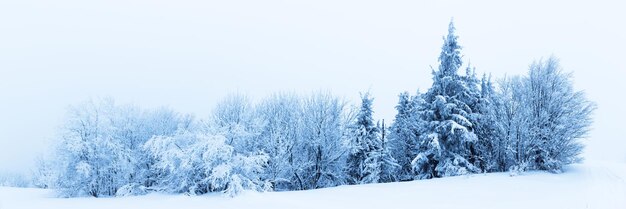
(389, 167)
(404, 134)
(476, 97)
(370, 160)
(445, 147)
(491, 145)
(364, 141)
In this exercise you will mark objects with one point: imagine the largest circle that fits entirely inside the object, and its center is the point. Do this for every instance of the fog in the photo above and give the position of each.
(188, 54)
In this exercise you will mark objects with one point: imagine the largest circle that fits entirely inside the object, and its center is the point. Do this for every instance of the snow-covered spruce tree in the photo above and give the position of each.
(389, 166)
(403, 137)
(471, 95)
(492, 144)
(367, 158)
(364, 141)
(560, 116)
(404, 133)
(446, 143)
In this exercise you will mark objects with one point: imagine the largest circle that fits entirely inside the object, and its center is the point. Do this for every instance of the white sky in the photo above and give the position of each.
(189, 54)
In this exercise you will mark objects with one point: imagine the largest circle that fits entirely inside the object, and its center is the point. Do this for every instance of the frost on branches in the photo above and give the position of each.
(198, 163)
(460, 125)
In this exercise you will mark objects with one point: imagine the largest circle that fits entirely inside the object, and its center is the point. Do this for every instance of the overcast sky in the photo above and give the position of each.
(188, 54)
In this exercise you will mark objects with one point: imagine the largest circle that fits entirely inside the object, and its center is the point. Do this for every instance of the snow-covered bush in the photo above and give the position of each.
(198, 163)
(45, 174)
(132, 189)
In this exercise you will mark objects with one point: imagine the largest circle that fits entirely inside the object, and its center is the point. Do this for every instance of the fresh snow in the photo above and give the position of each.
(589, 185)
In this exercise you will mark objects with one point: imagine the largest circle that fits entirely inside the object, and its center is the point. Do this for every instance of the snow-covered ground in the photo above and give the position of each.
(590, 185)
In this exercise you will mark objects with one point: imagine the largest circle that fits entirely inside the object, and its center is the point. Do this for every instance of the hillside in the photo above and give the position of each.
(590, 185)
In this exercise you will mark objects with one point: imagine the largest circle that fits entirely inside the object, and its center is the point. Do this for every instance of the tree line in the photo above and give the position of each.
(460, 125)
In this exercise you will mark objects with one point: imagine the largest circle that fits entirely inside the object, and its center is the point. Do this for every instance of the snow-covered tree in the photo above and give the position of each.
(471, 95)
(364, 141)
(45, 174)
(100, 150)
(560, 116)
(282, 118)
(157, 122)
(460, 125)
(543, 119)
(514, 118)
(92, 161)
(368, 161)
(199, 162)
(492, 146)
(389, 166)
(404, 134)
(234, 117)
(322, 151)
(446, 142)
(178, 163)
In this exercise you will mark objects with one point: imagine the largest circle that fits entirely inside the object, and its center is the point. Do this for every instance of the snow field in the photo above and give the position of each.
(590, 185)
